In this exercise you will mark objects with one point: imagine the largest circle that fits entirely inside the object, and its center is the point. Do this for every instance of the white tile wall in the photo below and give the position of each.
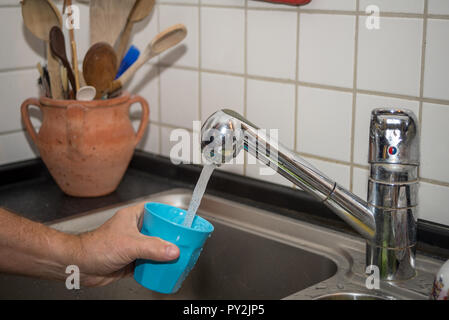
(10, 82)
(436, 75)
(324, 123)
(222, 40)
(326, 49)
(23, 48)
(272, 49)
(389, 59)
(248, 55)
(220, 91)
(150, 141)
(434, 203)
(185, 54)
(438, 6)
(434, 142)
(179, 97)
(271, 105)
(145, 83)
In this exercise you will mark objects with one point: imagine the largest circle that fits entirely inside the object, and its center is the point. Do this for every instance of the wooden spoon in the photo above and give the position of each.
(39, 17)
(162, 42)
(100, 67)
(141, 9)
(57, 46)
(107, 19)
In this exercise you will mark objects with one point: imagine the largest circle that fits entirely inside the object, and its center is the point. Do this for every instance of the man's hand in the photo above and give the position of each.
(107, 253)
(102, 256)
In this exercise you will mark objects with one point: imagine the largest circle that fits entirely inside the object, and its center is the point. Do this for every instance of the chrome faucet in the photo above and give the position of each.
(387, 221)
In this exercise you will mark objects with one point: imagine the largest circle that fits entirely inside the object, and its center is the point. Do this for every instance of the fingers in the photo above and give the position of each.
(153, 248)
(135, 211)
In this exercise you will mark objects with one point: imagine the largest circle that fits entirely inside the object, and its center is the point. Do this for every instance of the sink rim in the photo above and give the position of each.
(354, 294)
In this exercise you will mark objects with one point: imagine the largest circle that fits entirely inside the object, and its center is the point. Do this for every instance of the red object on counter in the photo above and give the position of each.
(295, 2)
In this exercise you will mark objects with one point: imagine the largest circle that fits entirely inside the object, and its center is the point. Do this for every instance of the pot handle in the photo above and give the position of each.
(145, 116)
(26, 117)
(75, 128)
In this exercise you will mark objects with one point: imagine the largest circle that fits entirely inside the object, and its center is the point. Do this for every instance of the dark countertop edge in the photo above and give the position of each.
(433, 238)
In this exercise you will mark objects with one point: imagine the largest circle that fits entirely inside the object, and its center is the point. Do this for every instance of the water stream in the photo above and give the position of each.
(198, 193)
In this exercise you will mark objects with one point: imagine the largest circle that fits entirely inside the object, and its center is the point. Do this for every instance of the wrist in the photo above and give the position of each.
(64, 250)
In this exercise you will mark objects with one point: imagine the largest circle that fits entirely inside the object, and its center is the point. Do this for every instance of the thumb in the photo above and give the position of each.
(153, 248)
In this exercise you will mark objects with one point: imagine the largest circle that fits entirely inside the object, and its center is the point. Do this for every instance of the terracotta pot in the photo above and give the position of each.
(86, 145)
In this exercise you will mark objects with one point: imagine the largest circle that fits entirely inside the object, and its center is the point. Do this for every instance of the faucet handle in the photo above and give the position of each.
(394, 137)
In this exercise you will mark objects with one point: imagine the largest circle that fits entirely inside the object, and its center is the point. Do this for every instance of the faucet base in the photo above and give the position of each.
(394, 264)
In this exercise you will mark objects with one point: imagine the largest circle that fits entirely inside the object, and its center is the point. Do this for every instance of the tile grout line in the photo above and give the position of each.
(354, 97)
(199, 109)
(423, 62)
(295, 131)
(296, 113)
(434, 182)
(245, 79)
(5, 133)
(159, 67)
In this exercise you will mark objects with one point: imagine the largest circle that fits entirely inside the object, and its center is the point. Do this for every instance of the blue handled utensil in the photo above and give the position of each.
(130, 57)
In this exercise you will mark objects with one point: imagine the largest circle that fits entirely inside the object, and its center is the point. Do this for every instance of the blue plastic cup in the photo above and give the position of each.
(165, 221)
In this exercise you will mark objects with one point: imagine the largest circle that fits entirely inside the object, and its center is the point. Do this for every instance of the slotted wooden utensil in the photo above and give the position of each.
(107, 19)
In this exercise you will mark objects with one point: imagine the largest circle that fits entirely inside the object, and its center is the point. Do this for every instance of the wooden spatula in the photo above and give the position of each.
(107, 19)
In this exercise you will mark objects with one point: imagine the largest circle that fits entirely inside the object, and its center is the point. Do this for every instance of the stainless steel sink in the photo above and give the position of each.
(252, 254)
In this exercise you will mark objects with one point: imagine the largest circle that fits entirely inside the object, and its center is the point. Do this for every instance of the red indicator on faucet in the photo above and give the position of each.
(392, 150)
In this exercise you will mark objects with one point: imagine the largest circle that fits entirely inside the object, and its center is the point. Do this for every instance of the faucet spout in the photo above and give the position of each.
(226, 133)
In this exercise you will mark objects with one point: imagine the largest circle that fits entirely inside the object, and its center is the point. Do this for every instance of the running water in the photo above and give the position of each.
(198, 193)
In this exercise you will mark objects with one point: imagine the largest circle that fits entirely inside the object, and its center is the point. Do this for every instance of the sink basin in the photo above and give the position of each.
(236, 263)
(252, 254)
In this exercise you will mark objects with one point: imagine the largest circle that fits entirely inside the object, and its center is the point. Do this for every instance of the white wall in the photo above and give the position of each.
(315, 73)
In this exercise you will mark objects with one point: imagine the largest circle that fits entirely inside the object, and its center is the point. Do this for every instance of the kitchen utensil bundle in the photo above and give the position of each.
(111, 23)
